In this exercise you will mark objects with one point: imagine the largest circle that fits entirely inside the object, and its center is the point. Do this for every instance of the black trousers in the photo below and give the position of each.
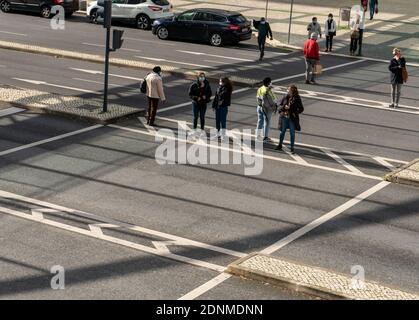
(153, 104)
(361, 34)
(261, 44)
(329, 41)
(354, 45)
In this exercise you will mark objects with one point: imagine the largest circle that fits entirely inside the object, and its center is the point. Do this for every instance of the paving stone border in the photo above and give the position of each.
(74, 107)
(407, 174)
(180, 72)
(312, 280)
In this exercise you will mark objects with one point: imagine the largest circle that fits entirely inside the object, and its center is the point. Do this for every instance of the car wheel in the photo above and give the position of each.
(162, 33)
(93, 16)
(216, 40)
(46, 12)
(143, 22)
(5, 6)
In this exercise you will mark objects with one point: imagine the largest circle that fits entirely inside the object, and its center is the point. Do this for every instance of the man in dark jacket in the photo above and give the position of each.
(200, 93)
(396, 67)
(264, 31)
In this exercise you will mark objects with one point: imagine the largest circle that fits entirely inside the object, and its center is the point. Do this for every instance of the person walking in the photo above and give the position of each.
(330, 32)
(354, 24)
(266, 107)
(264, 31)
(312, 57)
(155, 93)
(314, 26)
(398, 75)
(200, 93)
(221, 103)
(373, 8)
(291, 107)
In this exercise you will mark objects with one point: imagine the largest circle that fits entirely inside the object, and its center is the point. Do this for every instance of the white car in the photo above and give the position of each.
(140, 12)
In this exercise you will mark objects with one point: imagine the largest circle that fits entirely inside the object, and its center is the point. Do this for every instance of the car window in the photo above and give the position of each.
(161, 2)
(217, 18)
(237, 19)
(118, 1)
(135, 1)
(202, 16)
(187, 16)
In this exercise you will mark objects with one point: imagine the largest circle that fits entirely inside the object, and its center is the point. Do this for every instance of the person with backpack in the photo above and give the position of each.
(266, 100)
(220, 105)
(264, 31)
(399, 75)
(291, 107)
(200, 94)
(154, 90)
(330, 32)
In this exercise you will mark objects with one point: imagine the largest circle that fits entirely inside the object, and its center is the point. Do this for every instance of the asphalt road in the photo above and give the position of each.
(212, 214)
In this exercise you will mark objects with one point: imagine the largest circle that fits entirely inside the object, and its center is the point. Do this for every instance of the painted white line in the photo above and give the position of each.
(59, 137)
(175, 62)
(37, 82)
(14, 33)
(206, 287)
(110, 84)
(9, 111)
(308, 165)
(97, 72)
(296, 157)
(341, 161)
(307, 145)
(290, 238)
(214, 55)
(175, 107)
(50, 207)
(383, 162)
(97, 227)
(151, 41)
(326, 217)
(149, 128)
(99, 235)
(102, 46)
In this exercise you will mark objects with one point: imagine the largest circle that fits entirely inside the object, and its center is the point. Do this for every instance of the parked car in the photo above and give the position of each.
(140, 12)
(41, 6)
(218, 27)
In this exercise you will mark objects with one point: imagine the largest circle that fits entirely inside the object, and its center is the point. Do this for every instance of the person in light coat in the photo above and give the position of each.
(330, 32)
(155, 93)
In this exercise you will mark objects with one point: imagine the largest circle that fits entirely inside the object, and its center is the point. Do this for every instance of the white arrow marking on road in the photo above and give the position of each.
(161, 246)
(214, 55)
(176, 62)
(54, 85)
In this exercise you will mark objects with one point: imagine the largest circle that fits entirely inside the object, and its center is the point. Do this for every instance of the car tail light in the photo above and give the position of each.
(57, 2)
(233, 27)
(155, 8)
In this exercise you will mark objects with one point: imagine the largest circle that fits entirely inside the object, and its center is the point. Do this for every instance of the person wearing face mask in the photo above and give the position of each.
(330, 32)
(220, 105)
(314, 27)
(398, 74)
(266, 107)
(200, 93)
(264, 31)
(155, 93)
(291, 107)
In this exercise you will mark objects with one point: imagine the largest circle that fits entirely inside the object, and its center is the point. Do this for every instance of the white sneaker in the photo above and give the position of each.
(215, 136)
(223, 135)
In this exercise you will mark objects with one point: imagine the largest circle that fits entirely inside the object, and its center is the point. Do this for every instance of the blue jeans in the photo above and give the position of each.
(286, 123)
(372, 8)
(221, 117)
(264, 121)
(199, 110)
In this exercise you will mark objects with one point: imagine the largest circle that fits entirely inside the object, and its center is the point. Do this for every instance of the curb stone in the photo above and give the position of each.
(407, 174)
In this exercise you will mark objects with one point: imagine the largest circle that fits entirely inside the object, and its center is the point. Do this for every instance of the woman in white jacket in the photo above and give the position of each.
(330, 32)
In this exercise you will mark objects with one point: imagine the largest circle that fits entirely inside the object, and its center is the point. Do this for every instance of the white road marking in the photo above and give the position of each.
(214, 55)
(14, 33)
(290, 238)
(384, 162)
(37, 82)
(149, 128)
(175, 62)
(97, 227)
(151, 41)
(309, 165)
(11, 110)
(59, 137)
(341, 161)
(103, 46)
(174, 107)
(110, 84)
(275, 140)
(96, 72)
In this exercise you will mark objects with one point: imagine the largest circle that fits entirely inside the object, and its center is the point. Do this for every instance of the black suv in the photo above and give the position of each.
(215, 26)
(40, 6)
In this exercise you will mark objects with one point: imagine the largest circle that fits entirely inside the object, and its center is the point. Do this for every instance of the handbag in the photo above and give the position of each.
(355, 34)
(405, 74)
(317, 68)
(376, 9)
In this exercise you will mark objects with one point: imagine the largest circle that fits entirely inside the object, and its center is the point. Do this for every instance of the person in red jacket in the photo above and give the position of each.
(312, 57)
